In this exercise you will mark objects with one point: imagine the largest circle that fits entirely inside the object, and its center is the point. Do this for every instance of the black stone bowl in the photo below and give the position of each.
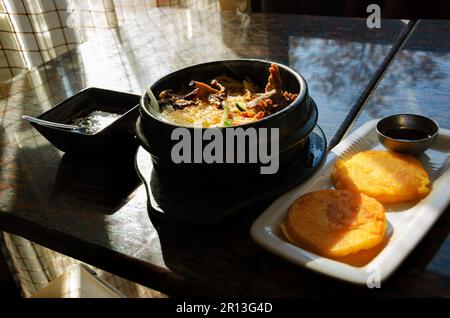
(294, 122)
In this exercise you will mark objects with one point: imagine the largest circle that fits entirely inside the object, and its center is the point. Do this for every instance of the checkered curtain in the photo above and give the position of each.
(34, 266)
(34, 31)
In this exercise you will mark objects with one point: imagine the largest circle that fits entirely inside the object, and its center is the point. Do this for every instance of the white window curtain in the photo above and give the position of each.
(34, 31)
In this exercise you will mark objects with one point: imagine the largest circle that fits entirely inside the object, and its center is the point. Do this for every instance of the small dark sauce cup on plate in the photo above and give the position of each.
(407, 133)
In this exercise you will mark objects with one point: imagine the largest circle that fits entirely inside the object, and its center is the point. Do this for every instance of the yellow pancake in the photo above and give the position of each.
(387, 176)
(335, 223)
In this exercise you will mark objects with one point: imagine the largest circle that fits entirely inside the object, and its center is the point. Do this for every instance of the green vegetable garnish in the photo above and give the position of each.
(226, 113)
(241, 106)
(227, 123)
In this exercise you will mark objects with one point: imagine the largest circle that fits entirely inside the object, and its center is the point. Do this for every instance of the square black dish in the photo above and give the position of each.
(114, 113)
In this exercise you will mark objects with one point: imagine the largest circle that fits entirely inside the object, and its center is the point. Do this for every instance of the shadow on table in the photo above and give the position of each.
(219, 258)
(105, 183)
(60, 202)
(69, 194)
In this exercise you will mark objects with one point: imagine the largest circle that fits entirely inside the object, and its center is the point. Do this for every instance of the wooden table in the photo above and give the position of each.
(95, 210)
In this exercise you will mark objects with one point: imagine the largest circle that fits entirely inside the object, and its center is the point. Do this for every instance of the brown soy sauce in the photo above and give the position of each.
(406, 134)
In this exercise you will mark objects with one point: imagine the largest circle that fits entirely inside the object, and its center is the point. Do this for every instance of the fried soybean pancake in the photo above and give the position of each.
(335, 223)
(387, 176)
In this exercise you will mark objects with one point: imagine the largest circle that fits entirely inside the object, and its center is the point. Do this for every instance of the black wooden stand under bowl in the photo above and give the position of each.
(174, 198)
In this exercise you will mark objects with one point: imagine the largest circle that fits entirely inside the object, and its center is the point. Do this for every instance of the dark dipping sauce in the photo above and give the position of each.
(406, 134)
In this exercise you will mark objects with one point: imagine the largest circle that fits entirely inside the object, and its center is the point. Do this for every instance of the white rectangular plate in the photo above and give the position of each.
(407, 224)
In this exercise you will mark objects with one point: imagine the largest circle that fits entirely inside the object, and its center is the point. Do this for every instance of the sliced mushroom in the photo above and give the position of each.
(254, 102)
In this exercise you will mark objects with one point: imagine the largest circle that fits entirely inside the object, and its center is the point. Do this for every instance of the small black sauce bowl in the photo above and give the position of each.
(119, 132)
(408, 121)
